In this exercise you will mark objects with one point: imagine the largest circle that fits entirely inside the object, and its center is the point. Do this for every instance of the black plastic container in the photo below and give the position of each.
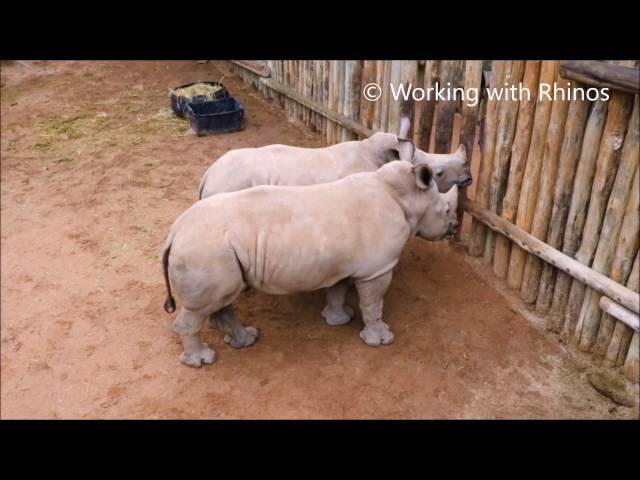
(179, 103)
(218, 116)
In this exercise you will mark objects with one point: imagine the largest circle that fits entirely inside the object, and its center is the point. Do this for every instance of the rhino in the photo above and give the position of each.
(286, 240)
(287, 165)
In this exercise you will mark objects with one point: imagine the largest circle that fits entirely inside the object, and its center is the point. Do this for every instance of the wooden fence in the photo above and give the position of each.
(556, 206)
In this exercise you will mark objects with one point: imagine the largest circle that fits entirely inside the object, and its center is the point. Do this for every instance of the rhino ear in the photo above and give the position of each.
(461, 152)
(405, 149)
(424, 176)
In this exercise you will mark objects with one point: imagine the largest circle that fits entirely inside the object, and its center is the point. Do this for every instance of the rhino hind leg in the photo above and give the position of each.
(188, 325)
(336, 312)
(236, 335)
(371, 292)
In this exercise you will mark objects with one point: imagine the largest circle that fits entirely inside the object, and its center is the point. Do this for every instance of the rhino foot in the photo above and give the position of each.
(195, 359)
(335, 317)
(377, 335)
(247, 338)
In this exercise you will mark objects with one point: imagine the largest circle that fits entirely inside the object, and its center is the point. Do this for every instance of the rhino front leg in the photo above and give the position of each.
(188, 325)
(371, 292)
(237, 335)
(336, 312)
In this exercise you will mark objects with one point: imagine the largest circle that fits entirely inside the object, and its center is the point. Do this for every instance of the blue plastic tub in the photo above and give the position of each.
(179, 103)
(218, 116)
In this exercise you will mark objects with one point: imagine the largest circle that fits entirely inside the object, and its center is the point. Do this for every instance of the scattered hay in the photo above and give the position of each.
(197, 89)
(44, 145)
(64, 159)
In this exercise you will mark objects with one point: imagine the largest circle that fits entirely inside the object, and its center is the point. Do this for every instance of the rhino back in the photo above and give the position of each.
(285, 166)
(293, 239)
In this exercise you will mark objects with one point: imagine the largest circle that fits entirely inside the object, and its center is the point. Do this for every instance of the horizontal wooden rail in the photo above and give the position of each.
(596, 280)
(600, 74)
(254, 67)
(619, 312)
(310, 104)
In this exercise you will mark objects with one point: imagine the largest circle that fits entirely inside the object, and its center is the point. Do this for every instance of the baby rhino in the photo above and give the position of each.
(285, 240)
(292, 166)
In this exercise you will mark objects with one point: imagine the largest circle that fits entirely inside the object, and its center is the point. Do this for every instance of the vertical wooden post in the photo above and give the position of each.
(573, 135)
(472, 82)
(409, 78)
(548, 177)
(619, 233)
(342, 72)
(578, 207)
(386, 97)
(326, 80)
(504, 139)
(366, 106)
(431, 72)
(616, 352)
(445, 109)
(631, 368)
(608, 157)
(394, 105)
(356, 90)
(478, 230)
(332, 99)
(529, 190)
(524, 127)
(377, 106)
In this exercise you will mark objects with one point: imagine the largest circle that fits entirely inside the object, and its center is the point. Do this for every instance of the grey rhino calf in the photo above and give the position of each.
(288, 166)
(285, 240)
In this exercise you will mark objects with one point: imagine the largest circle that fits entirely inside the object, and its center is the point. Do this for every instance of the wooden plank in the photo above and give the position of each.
(600, 74)
(577, 270)
(619, 312)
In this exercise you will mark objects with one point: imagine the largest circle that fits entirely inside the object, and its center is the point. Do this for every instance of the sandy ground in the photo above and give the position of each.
(95, 170)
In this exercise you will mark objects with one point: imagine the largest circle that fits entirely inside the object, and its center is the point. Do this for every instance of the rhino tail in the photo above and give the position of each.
(169, 303)
(201, 186)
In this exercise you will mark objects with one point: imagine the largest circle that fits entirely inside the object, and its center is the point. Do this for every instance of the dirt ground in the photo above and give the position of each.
(94, 171)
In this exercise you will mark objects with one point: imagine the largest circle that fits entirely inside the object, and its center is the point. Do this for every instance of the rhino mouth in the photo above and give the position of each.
(466, 182)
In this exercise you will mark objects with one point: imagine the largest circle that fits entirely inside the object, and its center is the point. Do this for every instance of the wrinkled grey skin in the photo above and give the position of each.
(286, 165)
(284, 240)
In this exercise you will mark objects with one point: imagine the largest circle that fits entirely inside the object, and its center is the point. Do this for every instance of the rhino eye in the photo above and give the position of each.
(439, 174)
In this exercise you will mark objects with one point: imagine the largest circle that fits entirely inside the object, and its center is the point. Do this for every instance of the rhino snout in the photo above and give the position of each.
(465, 181)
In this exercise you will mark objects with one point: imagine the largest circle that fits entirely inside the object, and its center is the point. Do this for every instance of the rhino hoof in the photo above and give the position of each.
(374, 337)
(337, 318)
(195, 359)
(246, 339)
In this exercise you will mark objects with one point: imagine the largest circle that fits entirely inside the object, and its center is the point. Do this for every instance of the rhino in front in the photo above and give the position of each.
(284, 240)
